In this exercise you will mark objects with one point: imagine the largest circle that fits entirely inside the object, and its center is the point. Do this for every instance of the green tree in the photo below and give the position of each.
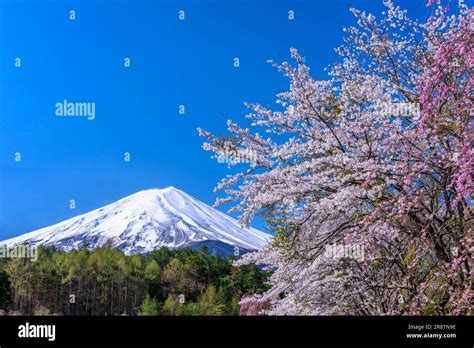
(212, 302)
(5, 291)
(171, 306)
(149, 306)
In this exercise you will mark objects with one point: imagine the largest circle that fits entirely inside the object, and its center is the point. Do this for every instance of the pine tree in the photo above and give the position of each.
(171, 306)
(212, 302)
(149, 307)
(5, 291)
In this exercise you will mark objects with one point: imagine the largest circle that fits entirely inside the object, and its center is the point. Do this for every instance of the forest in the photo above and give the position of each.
(105, 281)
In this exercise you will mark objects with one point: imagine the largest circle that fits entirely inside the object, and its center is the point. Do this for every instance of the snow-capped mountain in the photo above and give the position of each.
(145, 221)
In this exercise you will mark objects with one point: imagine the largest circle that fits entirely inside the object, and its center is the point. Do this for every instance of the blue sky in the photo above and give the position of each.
(172, 63)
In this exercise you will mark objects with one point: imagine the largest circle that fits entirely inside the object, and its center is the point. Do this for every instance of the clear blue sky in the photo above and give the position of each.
(173, 63)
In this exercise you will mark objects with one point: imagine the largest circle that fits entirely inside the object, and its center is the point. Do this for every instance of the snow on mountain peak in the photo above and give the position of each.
(144, 221)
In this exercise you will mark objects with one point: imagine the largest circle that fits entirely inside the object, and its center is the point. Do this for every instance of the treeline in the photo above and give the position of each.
(105, 281)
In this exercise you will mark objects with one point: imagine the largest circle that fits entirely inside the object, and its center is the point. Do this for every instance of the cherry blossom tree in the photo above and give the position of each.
(252, 305)
(379, 154)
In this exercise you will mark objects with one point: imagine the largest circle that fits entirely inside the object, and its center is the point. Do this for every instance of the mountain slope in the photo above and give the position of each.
(145, 221)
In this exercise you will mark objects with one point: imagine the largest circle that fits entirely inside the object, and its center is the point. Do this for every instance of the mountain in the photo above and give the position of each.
(145, 221)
